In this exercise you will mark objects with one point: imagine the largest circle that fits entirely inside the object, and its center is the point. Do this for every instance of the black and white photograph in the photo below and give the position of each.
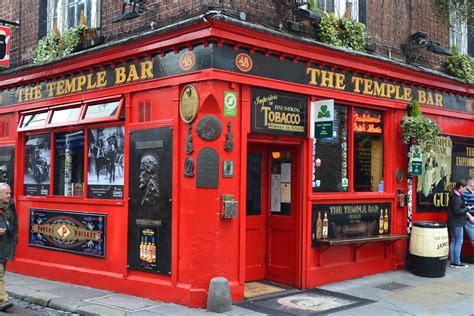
(106, 163)
(37, 165)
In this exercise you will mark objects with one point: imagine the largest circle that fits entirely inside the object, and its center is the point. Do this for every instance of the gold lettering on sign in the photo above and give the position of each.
(464, 162)
(441, 199)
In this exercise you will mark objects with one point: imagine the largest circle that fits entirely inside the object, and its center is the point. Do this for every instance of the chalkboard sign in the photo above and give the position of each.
(344, 221)
(278, 112)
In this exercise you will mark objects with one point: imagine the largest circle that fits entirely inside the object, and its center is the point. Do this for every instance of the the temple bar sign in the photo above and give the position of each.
(5, 44)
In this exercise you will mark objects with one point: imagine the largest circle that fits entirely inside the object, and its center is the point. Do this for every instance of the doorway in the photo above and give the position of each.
(273, 214)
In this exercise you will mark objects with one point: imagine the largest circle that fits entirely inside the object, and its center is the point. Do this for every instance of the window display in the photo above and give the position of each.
(368, 150)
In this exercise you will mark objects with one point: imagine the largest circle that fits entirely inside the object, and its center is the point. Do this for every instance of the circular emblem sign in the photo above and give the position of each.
(230, 101)
(244, 62)
(187, 61)
(469, 105)
(188, 104)
(209, 127)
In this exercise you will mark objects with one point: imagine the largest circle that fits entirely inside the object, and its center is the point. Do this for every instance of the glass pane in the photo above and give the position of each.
(281, 185)
(70, 17)
(368, 151)
(330, 157)
(37, 161)
(65, 115)
(254, 183)
(32, 120)
(106, 163)
(69, 164)
(101, 110)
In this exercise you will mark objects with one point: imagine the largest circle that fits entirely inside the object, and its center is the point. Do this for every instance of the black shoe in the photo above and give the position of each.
(5, 305)
(458, 265)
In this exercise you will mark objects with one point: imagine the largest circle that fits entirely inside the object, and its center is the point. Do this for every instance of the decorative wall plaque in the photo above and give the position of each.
(229, 138)
(188, 104)
(209, 127)
(189, 167)
(189, 148)
(207, 174)
(228, 169)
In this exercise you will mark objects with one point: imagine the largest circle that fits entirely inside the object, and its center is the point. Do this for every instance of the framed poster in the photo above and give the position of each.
(37, 165)
(106, 163)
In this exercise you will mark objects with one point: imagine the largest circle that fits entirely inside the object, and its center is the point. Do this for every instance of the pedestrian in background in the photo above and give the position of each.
(8, 238)
(468, 197)
(456, 218)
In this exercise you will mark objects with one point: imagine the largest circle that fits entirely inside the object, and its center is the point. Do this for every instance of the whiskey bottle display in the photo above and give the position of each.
(153, 250)
(148, 252)
(142, 248)
(319, 226)
(325, 225)
(385, 222)
(381, 222)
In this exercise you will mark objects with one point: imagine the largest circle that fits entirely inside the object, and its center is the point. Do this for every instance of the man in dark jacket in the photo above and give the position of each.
(8, 238)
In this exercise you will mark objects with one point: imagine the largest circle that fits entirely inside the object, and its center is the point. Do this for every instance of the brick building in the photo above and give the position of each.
(183, 140)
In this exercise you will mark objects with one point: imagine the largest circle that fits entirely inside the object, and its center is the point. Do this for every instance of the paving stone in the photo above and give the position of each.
(78, 292)
(41, 298)
(130, 303)
(18, 291)
(99, 310)
(66, 304)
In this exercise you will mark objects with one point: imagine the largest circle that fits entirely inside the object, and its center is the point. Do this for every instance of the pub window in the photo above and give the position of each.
(368, 150)
(458, 33)
(105, 111)
(37, 165)
(69, 163)
(65, 14)
(65, 116)
(330, 156)
(347, 8)
(254, 183)
(33, 120)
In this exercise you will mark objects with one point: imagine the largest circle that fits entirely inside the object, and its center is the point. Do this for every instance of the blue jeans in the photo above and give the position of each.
(457, 235)
(469, 227)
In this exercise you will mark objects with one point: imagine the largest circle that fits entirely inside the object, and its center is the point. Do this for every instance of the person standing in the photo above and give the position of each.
(468, 197)
(456, 218)
(8, 238)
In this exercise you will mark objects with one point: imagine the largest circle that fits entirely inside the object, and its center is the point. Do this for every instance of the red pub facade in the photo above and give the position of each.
(219, 149)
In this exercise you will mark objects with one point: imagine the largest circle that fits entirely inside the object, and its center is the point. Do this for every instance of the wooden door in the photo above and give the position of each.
(256, 204)
(281, 218)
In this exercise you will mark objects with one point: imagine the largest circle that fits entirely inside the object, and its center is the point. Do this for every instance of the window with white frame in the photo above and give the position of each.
(458, 33)
(340, 7)
(66, 14)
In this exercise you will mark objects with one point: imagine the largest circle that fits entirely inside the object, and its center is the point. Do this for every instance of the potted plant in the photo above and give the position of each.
(418, 129)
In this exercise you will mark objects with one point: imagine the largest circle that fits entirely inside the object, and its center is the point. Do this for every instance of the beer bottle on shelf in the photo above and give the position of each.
(325, 225)
(319, 226)
(385, 222)
(381, 222)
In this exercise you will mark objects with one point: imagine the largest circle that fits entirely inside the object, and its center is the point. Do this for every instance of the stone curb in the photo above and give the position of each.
(19, 292)
(99, 310)
(66, 304)
(41, 298)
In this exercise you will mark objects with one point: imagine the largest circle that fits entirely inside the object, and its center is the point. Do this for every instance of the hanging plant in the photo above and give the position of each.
(419, 129)
(342, 32)
(54, 46)
(460, 65)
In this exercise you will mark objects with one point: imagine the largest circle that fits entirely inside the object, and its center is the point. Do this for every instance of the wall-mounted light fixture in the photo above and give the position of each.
(420, 40)
(137, 8)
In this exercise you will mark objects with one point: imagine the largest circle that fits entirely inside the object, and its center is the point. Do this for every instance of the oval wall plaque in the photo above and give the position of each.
(188, 104)
(209, 127)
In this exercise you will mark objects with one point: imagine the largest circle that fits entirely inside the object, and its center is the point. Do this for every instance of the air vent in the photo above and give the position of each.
(144, 111)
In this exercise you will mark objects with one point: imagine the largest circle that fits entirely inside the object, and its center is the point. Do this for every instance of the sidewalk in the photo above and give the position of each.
(394, 293)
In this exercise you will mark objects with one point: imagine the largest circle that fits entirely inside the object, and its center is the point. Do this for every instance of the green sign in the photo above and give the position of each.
(417, 160)
(345, 184)
(323, 118)
(230, 103)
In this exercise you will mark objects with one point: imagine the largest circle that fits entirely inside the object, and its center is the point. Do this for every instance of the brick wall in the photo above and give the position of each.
(389, 22)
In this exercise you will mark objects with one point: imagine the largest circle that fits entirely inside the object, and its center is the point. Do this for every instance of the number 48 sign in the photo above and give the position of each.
(244, 62)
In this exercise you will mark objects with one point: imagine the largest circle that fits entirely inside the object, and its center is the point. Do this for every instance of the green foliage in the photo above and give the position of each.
(460, 65)
(342, 32)
(54, 46)
(420, 129)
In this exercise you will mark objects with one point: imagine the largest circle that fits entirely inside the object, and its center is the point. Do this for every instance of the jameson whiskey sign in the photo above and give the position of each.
(278, 112)
(450, 160)
(341, 221)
